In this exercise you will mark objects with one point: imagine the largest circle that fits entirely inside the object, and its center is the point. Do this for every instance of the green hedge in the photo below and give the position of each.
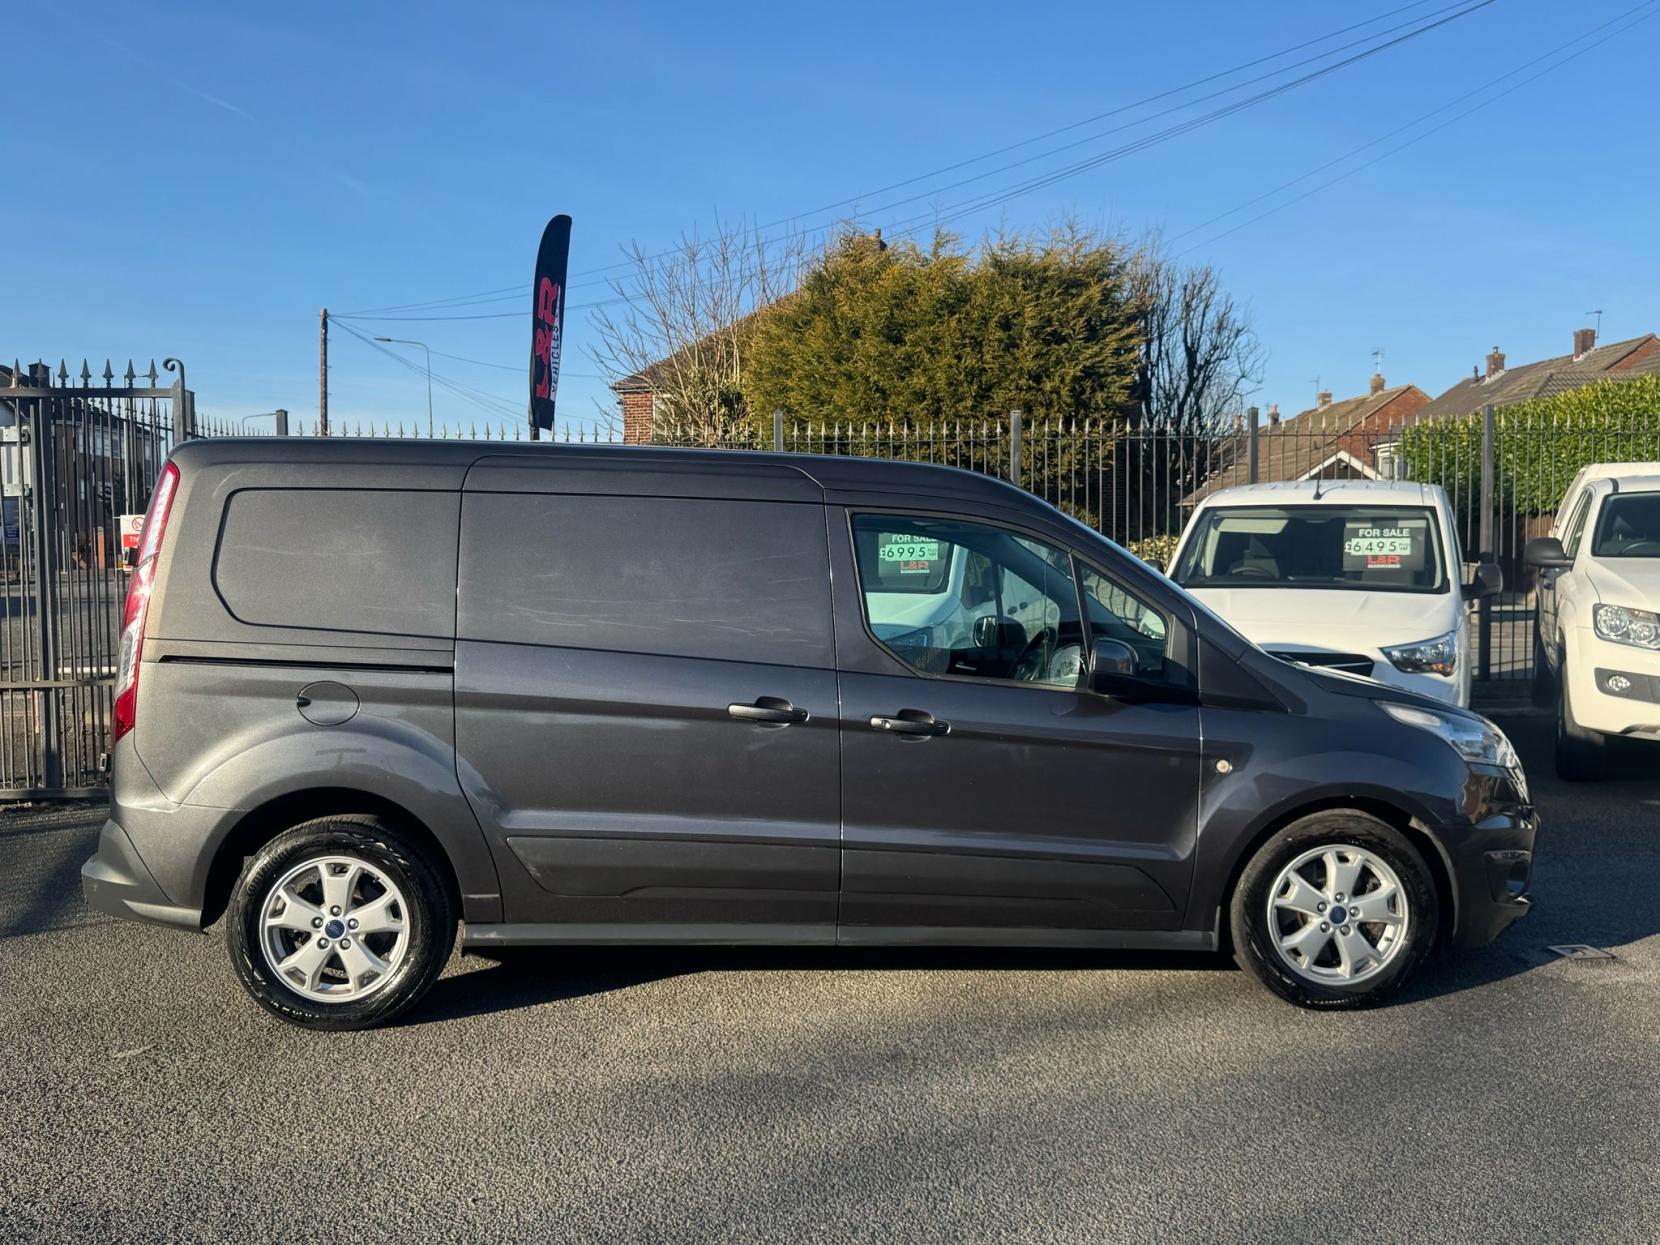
(1540, 444)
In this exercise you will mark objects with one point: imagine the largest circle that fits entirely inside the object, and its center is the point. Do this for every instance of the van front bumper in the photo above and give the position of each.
(1492, 872)
(1615, 687)
(116, 881)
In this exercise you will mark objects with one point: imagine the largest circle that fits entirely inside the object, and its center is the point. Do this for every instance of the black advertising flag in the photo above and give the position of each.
(547, 319)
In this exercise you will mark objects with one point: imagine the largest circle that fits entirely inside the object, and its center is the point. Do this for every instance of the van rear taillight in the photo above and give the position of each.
(138, 602)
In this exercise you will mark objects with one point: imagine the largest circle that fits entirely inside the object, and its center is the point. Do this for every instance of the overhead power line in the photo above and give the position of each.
(492, 315)
(1643, 12)
(506, 292)
(492, 404)
(996, 198)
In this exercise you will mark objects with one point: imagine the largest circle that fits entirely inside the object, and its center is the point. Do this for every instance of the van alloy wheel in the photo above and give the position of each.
(1338, 914)
(334, 928)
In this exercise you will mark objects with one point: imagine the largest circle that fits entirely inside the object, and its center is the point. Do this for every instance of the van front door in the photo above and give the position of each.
(984, 791)
(646, 707)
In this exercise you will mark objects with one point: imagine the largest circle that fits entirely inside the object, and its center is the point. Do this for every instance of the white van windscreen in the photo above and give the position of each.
(1387, 548)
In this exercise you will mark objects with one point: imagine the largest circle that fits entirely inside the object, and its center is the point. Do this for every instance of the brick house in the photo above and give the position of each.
(1502, 384)
(1332, 440)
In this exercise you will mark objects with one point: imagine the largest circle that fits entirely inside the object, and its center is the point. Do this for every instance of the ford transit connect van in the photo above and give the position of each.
(372, 693)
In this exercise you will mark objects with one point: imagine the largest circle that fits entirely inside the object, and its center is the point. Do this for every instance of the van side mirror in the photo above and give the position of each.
(1545, 553)
(1112, 667)
(1487, 581)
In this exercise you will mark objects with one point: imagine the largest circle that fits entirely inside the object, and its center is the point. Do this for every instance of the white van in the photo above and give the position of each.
(1363, 576)
(1598, 640)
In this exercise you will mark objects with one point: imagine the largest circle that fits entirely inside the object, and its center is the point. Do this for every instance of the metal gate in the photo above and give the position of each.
(74, 459)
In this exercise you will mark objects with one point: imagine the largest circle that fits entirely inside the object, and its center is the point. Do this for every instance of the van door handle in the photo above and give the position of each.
(912, 722)
(773, 709)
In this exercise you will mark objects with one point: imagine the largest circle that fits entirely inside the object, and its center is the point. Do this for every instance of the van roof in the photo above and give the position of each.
(1631, 484)
(1326, 493)
(831, 472)
(1611, 471)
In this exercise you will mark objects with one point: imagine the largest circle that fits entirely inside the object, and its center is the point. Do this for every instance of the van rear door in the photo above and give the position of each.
(646, 707)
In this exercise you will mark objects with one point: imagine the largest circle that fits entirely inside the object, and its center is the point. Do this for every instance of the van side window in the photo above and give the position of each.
(1576, 528)
(951, 597)
(380, 561)
(719, 580)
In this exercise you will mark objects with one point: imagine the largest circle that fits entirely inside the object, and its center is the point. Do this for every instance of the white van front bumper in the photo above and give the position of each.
(1614, 688)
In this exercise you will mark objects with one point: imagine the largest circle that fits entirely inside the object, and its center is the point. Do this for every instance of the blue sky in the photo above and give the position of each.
(199, 179)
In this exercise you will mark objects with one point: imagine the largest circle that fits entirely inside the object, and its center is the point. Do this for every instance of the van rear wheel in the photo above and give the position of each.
(1337, 910)
(339, 923)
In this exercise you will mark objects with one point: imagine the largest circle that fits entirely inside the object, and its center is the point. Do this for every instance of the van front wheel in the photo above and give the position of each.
(339, 924)
(1580, 753)
(1335, 911)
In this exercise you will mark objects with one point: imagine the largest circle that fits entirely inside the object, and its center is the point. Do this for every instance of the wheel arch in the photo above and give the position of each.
(1392, 815)
(257, 827)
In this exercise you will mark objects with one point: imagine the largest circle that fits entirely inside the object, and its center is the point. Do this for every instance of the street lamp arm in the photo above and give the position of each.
(409, 341)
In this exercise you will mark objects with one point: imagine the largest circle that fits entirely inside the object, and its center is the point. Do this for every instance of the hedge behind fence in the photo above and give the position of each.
(1539, 444)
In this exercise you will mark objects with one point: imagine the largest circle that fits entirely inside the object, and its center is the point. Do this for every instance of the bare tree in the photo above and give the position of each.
(1200, 355)
(682, 328)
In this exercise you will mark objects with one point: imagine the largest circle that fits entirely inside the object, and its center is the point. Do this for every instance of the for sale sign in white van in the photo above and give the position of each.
(1375, 546)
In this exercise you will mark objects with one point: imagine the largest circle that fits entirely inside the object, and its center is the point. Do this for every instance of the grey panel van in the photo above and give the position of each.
(374, 693)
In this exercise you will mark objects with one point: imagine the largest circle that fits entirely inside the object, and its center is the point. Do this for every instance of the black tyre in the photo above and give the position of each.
(1544, 687)
(1580, 754)
(339, 923)
(1337, 910)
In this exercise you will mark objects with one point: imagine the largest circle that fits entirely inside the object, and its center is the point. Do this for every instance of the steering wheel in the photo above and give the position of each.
(1641, 549)
(1028, 667)
(1065, 664)
(1247, 570)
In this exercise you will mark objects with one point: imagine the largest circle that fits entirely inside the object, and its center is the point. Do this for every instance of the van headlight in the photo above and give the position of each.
(1624, 625)
(1437, 656)
(1475, 739)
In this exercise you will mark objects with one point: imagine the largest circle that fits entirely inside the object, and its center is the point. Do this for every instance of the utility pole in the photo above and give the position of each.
(323, 374)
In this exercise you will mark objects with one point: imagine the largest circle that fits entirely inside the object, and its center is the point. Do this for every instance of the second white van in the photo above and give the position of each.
(1363, 576)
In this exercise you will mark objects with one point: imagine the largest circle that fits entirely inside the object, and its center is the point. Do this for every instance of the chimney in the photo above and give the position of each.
(1495, 362)
(1585, 341)
(1322, 399)
(1274, 414)
(1377, 382)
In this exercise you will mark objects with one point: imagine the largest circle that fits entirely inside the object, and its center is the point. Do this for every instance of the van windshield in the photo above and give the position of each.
(1374, 548)
(1629, 527)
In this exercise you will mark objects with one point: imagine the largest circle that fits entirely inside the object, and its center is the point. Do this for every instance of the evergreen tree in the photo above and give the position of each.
(892, 333)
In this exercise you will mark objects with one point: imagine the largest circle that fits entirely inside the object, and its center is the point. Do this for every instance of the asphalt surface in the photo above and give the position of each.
(830, 1095)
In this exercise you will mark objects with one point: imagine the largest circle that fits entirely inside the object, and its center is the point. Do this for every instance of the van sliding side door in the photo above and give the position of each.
(646, 715)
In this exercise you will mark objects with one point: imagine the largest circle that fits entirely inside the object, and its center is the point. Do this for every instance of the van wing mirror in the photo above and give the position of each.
(1112, 667)
(1487, 581)
(1545, 553)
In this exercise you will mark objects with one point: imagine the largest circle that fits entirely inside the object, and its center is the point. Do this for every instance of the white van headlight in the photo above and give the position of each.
(1437, 656)
(1477, 740)
(1623, 625)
